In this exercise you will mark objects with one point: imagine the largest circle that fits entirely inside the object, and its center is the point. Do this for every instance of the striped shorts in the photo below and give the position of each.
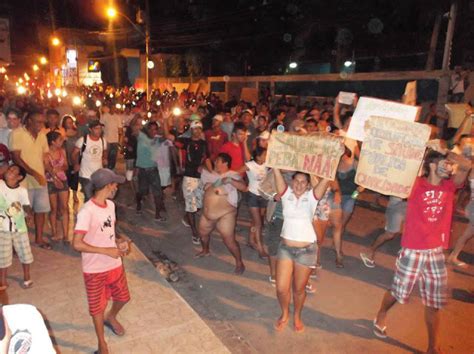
(428, 268)
(20, 242)
(100, 287)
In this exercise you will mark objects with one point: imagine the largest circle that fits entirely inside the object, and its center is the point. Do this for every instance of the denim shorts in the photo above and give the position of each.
(256, 201)
(305, 256)
(347, 203)
(39, 199)
(395, 215)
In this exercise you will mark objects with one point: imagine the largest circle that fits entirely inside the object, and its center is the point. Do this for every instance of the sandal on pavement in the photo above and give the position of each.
(339, 263)
(271, 280)
(369, 263)
(380, 331)
(115, 331)
(202, 255)
(45, 246)
(27, 284)
(458, 263)
(309, 289)
(280, 325)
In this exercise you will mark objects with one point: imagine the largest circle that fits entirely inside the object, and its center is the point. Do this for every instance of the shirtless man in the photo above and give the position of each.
(220, 207)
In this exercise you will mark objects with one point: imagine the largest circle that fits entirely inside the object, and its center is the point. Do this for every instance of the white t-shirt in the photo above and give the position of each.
(112, 123)
(92, 155)
(256, 174)
(298, 216)
(12, 200)
(97, 223)
(28, 331)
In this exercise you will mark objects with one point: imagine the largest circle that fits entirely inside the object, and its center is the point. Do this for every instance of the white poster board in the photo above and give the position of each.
(367, 107)
(346, 97)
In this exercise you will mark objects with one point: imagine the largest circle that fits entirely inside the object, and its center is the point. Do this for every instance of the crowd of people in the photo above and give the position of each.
(211, 155)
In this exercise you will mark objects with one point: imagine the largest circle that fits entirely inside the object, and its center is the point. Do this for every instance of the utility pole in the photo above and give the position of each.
(449, 35)
(430, 62)
(147, 51)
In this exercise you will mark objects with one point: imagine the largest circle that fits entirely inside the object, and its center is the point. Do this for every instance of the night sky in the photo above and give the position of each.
(265, 34)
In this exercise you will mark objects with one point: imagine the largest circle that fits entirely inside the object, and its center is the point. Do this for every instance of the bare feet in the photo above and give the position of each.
(103, 349)
(298, 326)
(202, 254)
(239, 269)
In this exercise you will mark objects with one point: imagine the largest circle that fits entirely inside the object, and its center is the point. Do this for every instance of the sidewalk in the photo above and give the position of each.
(157, 319)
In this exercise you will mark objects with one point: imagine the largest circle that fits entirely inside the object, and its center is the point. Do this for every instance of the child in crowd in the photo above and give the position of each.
(13, 231)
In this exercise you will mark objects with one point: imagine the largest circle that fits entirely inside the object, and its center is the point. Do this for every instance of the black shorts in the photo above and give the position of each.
(256, 201)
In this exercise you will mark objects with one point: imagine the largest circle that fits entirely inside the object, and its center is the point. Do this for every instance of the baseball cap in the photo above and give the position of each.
(95, 123)
(248, 111)
(104, 176)
(264, 135)
(195, 117)
(195, 124)
(219, 117)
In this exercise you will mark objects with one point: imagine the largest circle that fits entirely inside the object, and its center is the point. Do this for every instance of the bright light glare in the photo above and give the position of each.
(293, 65)
(347, 63)
(111, 12)
(98, 103)
(43, 60)
(55, 41)
(176, 111)
(118, 106)
(57, 92)
(158, 103)
(21, 90)
(64, 93)
(76, 101)
(35, 67)
(150, 64)
(148, 114)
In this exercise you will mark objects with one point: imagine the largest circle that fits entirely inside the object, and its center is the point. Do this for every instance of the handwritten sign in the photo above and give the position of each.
(316, 154)
(409, 97)
(346, 97)
(391, 155)
(368, 106)
(456, 114)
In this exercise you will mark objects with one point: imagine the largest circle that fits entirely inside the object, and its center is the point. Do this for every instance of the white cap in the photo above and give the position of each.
(219, 117)
(195, 124)
(264, 135)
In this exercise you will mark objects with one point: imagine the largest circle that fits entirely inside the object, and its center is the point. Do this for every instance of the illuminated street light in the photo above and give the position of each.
(57, 92)
(27, 77)
(98, 103)
(158, 103)
(35, 67)
(55, 41)
(21, 90)
(43, 61)
(176, 111)
(111, 13)
(64, 93)
(348, 63)
(118, 106)
(150, 64)
(293, 65)
(50, 94)
(3, 70)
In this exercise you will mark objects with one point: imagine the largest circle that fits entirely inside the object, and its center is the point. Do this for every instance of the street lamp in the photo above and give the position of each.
(35, 67)
(55, 41)
(348, 63)
(150, 64)
(43, 61)
(113, 13)
(293, 65)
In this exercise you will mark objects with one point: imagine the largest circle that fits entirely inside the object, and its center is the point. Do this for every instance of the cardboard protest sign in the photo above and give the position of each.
(456, 114)
(368, 106)
(316, 154)
(409, 97)
(346, 97)
(249, 94)
(391, 155)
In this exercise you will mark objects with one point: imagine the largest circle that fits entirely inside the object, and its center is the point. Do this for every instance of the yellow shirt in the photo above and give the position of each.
(31, 151)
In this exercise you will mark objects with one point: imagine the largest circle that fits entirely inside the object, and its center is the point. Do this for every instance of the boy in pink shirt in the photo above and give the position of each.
(94, 237)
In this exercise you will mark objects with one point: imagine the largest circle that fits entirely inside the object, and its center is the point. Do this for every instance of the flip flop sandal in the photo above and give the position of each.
(45, 246)
(458, 263)
(369, 263)
(380, 331)
(113, 329)
(280, 325)
(310, 289)
(202, 255)
(27, 284)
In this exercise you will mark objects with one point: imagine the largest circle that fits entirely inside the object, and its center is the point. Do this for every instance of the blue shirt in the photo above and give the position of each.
(146, 150)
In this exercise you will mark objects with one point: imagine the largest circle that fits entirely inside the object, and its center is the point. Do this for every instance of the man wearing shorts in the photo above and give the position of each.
(220, 208)
(94, 237)
(394, 217)
(196, 154)
(426, 233)
(28, 145)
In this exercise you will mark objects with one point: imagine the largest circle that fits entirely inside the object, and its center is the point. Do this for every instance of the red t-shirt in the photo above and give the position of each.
(215, 141)
(236, 152)
(429, 215)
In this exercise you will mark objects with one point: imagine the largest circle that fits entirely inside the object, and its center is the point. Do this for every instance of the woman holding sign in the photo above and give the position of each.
(297, 250)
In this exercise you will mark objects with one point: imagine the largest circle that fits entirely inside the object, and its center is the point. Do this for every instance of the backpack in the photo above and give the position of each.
(84, 145)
